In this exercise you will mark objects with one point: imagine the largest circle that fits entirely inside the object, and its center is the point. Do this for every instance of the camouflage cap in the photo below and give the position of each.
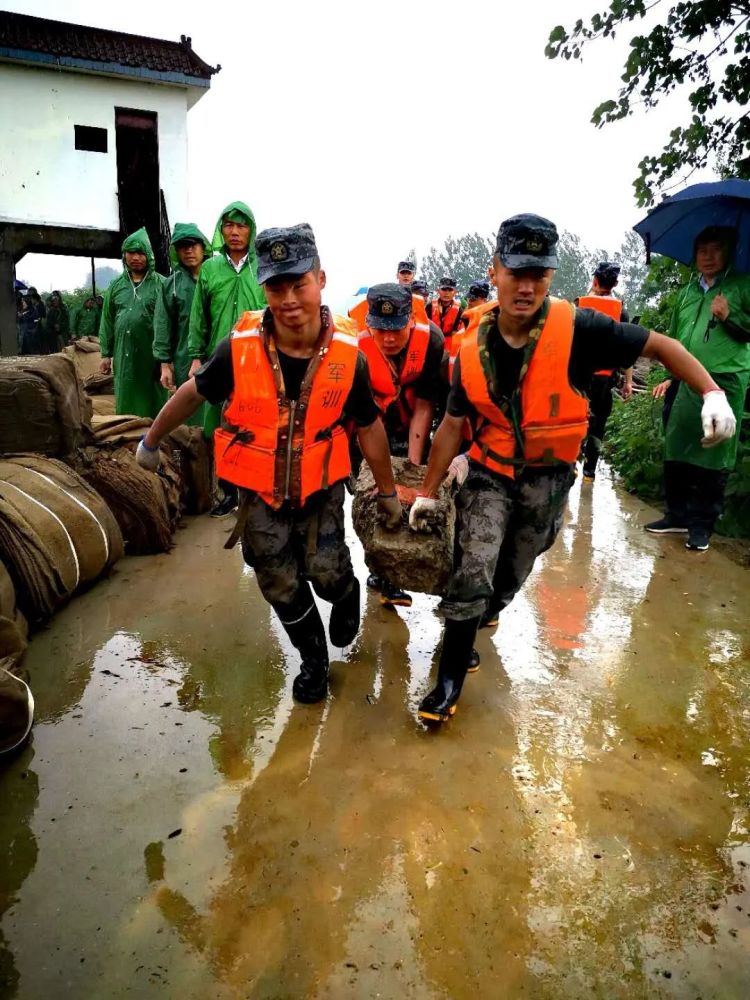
(419, 287)
(389, 306)
(291, 250)
(447, 282)
(607, 271)
(479, 290)
(527, 240)
(407, 265)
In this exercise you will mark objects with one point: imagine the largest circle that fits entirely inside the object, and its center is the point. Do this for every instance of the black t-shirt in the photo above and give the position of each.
(598, 342)
(215, 381)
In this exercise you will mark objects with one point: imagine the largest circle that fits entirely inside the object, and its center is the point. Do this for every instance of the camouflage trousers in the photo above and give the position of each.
(290, 546)
(502, 526)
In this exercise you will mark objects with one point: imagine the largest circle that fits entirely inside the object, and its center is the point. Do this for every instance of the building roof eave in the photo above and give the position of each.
(21, 57)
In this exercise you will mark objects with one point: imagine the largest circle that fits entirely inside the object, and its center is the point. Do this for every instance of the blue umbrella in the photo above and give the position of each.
(671, 228)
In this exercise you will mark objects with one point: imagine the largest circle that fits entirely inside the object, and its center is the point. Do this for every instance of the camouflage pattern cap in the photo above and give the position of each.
(389, 306)
(407, 265)
(285, 251)
(479, 290)
(527, 241)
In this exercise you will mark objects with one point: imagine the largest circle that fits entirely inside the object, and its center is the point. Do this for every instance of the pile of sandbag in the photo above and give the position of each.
(56, 533)
(191, 455)
(119, 429)
(85, 355)
(43, 407)
(13, 627)
(408, 559)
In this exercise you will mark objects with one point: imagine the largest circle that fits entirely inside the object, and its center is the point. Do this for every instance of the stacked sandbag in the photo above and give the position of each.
(103, 406)
(119, 429)
(85, 355)
(13, 627)
(43, 408)
(99, 384)
(146, 506)
(57, 534)
(408, 559)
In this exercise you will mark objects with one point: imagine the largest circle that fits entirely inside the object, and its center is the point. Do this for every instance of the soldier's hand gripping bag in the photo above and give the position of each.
(414, 561)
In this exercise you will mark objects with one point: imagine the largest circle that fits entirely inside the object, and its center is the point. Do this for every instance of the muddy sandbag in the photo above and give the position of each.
(103, 406)
(99, 384)
(146, 506)
(56, 533)
(85, 355)
(16, 708)
(416, 561)
(118, 429)
(43, 407)
(191, 454)
(13, 627)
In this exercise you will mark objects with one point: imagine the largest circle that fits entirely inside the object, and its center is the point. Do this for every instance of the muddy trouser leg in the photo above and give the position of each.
(704, 496)
(600, 407)
(320, 542)
(268, 545)
(534, 523)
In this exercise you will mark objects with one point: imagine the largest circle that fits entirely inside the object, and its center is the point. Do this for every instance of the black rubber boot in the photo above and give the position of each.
(489, 619)
(344, 623)
(455, 657)
(308, 637)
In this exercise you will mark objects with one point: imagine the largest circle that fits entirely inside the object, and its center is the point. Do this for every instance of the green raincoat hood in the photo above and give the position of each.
(218, 241)
(187, 231)
(139, 241)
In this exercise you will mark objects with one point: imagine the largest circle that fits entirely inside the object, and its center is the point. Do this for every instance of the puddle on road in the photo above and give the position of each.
(580, 828)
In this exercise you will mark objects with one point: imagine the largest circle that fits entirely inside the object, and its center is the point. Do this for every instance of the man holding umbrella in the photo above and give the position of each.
(712, 320)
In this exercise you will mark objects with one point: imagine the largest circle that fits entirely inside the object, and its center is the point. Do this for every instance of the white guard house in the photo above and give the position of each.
(94, 142)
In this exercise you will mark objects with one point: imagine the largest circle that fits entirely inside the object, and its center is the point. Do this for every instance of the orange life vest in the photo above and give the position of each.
(470, 319)
(554, 415)
(450, 322)
(358, 314)
(603, 304)
(286, 449)
(389, 385)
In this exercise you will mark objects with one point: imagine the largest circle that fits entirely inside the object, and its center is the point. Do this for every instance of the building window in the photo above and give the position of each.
(92, 139)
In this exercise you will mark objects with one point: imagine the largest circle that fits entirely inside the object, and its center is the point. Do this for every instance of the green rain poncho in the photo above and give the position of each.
(724, 356)
(172, 314)
(221, 296)
(126, 335)
(86, 322)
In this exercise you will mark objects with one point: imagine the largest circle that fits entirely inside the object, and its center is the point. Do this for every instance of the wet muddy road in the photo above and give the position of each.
(180, 829)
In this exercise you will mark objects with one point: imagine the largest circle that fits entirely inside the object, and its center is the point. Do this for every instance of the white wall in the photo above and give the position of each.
(45, 179)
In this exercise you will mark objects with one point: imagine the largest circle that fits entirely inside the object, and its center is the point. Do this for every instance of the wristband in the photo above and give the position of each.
(387, 496)
(143, 442)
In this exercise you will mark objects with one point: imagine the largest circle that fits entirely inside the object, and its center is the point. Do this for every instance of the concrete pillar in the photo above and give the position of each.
(8, 334)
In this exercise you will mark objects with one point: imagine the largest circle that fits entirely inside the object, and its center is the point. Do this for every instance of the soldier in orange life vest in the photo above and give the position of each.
(404, 357)
(602, 298)
(294, 378)
(445, 311)
(478, 294)
(520, 377)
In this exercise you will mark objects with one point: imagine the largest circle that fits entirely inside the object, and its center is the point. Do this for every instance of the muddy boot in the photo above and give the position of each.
(393, 597)
(458, 640)
(474, 662)
(16, 711)
(344, 623)
(309, 639)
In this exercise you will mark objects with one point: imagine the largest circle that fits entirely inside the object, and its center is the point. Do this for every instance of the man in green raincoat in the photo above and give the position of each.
(227, 287)
(126, 334)
(86, 320)
(712, 320)
(187, 251)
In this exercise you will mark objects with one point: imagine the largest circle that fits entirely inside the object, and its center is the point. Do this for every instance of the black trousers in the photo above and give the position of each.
(694, 496)
(600, 407)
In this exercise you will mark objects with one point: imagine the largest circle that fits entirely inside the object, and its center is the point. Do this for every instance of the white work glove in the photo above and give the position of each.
(719, 423)
(458, 470)
(147, 458)
(419, 515)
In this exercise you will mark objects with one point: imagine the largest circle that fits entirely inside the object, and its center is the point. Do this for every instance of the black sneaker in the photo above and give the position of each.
(374, 582)
(697, 539)
(666, 526)
(227, 506)
(489, 619)
(391, 597)
(474, 662)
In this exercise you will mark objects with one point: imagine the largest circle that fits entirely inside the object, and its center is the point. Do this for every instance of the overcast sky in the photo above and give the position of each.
(390, 125)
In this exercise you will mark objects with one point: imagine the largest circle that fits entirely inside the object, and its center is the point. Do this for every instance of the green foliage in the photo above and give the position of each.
(704, 44)
(465, 258)
(735, 521)
(663, 285)
(573, 276)
(634, 443)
